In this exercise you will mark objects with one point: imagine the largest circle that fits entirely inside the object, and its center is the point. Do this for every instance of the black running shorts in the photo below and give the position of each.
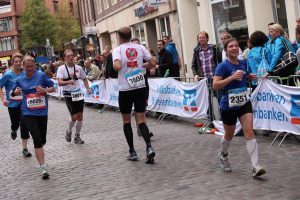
(229, 117)
(74, 107)
(137, 97)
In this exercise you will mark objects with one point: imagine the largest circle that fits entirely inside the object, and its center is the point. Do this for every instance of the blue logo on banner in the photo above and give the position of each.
(295, 110)
(189, 100)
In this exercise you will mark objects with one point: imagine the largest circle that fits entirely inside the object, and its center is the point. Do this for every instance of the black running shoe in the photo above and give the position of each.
(26, 153)
(132, 156)
(13, 135)
(150, 155)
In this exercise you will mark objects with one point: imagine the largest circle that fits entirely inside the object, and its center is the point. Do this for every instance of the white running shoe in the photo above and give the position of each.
(258, 170)
(224, 162)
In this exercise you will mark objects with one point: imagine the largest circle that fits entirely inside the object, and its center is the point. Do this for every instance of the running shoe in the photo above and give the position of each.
(224, 162)
(150, 155)
(78, 140)
(68, 136)
(258, 170)
(26, 153)
(13, 135)
(44, 172)
(139, 133)
(132, 156)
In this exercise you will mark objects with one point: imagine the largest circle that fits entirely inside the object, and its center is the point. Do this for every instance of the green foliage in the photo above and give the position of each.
(37, 24)
(68, 25)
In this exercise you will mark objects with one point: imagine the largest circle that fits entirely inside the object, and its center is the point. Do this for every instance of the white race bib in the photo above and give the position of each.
(238, 97)
(77, 95)
(35, 101)
(136, 78)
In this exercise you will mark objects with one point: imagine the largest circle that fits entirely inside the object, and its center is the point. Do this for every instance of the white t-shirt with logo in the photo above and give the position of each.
(63, 74)
(131, 56)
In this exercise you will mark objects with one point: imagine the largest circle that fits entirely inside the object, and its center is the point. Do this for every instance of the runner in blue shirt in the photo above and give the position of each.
(34, 85)
(14, 103)
(230, 76)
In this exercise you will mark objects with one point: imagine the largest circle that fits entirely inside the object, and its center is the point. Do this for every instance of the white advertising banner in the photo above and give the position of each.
(170, 96)
(111, 92)
(97, 92)
(276, 107)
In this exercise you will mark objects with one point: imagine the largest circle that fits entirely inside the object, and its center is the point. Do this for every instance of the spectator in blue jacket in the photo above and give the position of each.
(276, 45)
(258, 50)
(171, 48)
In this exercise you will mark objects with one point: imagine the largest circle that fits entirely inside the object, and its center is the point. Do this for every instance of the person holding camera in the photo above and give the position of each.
(68, 76)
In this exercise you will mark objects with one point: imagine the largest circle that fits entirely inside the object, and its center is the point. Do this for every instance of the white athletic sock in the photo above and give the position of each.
(78, 127)
(224, 145)
(252, 149)
(71, 125)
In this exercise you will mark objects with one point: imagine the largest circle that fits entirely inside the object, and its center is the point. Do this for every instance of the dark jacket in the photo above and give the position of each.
(110, 72)
(164, 61)
(196, 63)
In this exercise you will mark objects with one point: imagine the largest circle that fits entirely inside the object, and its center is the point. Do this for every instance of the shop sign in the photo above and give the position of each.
(157, 2)
(91, 30)
(144, 10)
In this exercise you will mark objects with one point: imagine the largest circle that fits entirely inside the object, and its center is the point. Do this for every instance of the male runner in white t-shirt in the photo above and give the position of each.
(128, 61)
(68, 76)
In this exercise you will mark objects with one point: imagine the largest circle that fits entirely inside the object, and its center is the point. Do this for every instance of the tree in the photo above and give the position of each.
(37, 24)
(68, 25)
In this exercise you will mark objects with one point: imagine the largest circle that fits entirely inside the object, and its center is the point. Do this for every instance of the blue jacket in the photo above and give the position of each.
(255, 57)
(278, 49)
(171, 48)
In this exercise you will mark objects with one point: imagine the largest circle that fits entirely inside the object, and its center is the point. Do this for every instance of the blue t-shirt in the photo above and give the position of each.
(7, 81)
(33, 103)
(226, 69)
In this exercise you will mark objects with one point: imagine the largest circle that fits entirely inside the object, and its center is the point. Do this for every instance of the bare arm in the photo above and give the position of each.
(61, 82)
(117, 65)
(87, 87)
(219, 82)
(2, 98)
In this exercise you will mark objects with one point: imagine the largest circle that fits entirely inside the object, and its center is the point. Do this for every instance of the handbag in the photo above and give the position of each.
(263, 66)
(288, 63)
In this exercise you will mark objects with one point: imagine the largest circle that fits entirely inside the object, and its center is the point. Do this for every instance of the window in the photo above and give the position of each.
(7, 44)
(55, 5)
(105, 4)
(139, 32)
(164, 24)
(230, 16)
(281, 16)
(6, 25)
(113, 2)
(231, 4)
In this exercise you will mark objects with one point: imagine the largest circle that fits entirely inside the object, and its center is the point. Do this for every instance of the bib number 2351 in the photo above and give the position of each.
(238, 97)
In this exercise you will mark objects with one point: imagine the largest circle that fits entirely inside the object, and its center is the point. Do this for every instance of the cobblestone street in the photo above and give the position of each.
(186, 163)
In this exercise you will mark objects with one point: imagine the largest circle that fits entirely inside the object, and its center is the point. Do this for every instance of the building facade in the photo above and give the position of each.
(183, 20)
(10, 12)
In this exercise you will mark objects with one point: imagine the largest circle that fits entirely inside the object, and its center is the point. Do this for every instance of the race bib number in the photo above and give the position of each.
(238, 97)
(35, 101)
(77, 95)
(136, 78)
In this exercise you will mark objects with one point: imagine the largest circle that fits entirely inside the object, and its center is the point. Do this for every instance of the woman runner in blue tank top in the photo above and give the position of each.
(230, 76)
